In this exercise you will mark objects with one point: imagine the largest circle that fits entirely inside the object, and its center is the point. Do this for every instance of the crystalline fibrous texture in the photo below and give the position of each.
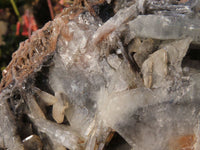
(127, 76)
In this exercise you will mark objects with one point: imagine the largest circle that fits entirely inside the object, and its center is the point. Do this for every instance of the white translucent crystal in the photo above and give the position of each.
(115, 22)
(61, 134)
(144, 117)
(151, 107)
(8, 137)
(154, 127)
(114, 61)
(165, 27)
(113, 107)
(176, 50)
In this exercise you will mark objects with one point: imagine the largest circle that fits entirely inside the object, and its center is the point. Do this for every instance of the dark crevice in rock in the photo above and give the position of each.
(117, 143)
(193, 52)
(191, 62)
(16, 103)
(24, 126)
(105, 11)
(131, 59)
(42, 81)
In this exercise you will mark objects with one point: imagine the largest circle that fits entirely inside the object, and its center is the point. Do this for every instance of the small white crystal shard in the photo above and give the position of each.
(115, 22)
(32, 142)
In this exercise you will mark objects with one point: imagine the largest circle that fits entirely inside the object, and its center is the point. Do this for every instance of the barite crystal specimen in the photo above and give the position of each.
(131, 82)
(166, 27)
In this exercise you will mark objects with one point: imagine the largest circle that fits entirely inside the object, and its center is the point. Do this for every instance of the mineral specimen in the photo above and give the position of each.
(81, 83)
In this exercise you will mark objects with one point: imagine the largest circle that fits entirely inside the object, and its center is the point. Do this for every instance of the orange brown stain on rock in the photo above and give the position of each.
(103, 36)
(65, 33)
(183, 1)
(185, 142)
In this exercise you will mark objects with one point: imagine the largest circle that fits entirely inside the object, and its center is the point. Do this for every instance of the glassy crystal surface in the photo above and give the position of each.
(165, 27)
(135, 76)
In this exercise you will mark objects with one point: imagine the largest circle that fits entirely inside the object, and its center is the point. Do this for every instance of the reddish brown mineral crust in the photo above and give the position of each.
(33, 52)
(31, 55)
(185, 142)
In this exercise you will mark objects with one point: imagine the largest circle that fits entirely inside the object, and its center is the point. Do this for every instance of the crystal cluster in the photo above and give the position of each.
(135, 77)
